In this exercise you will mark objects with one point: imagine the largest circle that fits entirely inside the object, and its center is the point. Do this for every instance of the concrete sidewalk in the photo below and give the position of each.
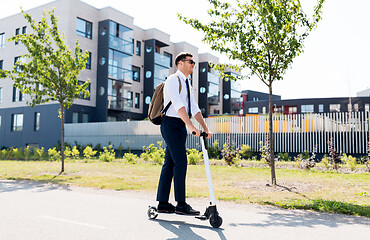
(30, 210)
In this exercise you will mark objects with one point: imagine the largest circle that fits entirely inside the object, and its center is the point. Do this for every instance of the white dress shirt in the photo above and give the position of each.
(171, 93)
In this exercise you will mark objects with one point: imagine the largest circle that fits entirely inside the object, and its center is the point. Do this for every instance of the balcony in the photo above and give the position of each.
(118, 103)
(213, 78)
(162, 60)
(123, 45)
(120, 74)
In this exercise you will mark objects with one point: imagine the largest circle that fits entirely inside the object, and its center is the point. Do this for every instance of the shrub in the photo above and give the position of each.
(194, 156)
(67, 152)
(305, 155)
(120, 150)
(306, 163)
(265, 153)
(334, 156)
(284, 157)
(4, 154)
(246, 151)
(38, 153)
(89, 152)
(107, 155)
(367, 166)
(27, 152)
(155, 154)
(10, 153)
(54, 154)
(229, 152)
(326, 161)
(75, 152)
(214, 150)
(349, 161)
(130, 157)
(17, 154)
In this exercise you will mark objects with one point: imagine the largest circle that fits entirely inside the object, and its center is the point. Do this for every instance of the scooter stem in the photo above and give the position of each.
(208, 169)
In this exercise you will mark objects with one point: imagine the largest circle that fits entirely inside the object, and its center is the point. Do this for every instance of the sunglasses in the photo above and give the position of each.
(189, 60)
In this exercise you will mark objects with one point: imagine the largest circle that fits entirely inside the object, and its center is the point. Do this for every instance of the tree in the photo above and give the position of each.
(49, 71)
(263, 36)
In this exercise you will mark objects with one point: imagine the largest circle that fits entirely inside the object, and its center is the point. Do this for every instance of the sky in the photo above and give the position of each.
(336, 57)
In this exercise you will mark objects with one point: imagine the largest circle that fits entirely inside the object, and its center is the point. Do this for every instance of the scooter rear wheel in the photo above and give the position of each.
(152, 213)
(215, 221)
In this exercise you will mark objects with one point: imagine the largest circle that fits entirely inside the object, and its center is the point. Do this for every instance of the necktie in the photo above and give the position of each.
(188, 88)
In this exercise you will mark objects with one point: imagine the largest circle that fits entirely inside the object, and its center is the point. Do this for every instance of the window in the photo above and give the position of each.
(120, 67)
(85, 117)
(17, 95)
(168, 55)
(277, 109)
(334, 107)
(349, 107)
(36, 126)
(17, 122)
(82, 95)
(2, 40)
(321, 108)
(355, 107)
(121, 38)
(367, 107)
(129, 99)
(307, 108)
(138, 48)
(75, 117)
(84, 28)
(16, 33)
(253, 110)
(292, 110)
(137, 100)
(1, 64)
(136, 74)
(88, 63)
(24, 30)
(16, 59)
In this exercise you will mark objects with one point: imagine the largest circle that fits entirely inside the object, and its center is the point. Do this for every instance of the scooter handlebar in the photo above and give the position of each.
(202, 134)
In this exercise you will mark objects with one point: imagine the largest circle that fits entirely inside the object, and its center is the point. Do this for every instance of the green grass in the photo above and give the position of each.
(320, 191)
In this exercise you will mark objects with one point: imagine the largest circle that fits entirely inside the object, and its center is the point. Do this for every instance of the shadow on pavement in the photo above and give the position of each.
(295, 218)
(16, 185)
(184, 230)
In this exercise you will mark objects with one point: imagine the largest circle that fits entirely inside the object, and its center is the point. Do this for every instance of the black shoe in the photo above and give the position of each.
(166, 208)
(186, 210)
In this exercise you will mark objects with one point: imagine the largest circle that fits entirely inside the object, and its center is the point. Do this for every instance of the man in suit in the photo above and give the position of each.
(174, 128)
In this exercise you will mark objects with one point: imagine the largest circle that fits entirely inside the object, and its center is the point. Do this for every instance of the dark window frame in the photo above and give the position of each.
(36, 125)
(14, 127)
(137, 103)
(138, 70)
(88, 26)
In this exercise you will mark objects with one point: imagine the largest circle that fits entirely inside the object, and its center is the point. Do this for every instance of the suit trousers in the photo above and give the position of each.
(174, 132)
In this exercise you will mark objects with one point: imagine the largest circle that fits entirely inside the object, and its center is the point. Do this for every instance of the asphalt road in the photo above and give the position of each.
(30, 210)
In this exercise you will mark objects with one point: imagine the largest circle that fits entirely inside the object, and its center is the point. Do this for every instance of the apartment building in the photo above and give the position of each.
(126, 64)
(257, 103)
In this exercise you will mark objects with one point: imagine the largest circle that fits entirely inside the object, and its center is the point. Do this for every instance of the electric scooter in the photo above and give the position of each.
(211, 211)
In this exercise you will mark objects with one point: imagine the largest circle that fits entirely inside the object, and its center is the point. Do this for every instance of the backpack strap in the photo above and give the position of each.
(169, 104)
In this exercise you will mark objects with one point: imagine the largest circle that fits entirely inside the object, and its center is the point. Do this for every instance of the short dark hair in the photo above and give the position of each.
(181, 56)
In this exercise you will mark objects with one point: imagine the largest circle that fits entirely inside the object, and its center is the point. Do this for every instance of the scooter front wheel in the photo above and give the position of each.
(152, 213)
(215, 220)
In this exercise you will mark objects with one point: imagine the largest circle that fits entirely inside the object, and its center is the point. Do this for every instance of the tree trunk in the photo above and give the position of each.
(271, 138)
(62, 146)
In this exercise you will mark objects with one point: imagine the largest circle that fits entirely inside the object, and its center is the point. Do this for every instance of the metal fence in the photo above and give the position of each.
(292, 133)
